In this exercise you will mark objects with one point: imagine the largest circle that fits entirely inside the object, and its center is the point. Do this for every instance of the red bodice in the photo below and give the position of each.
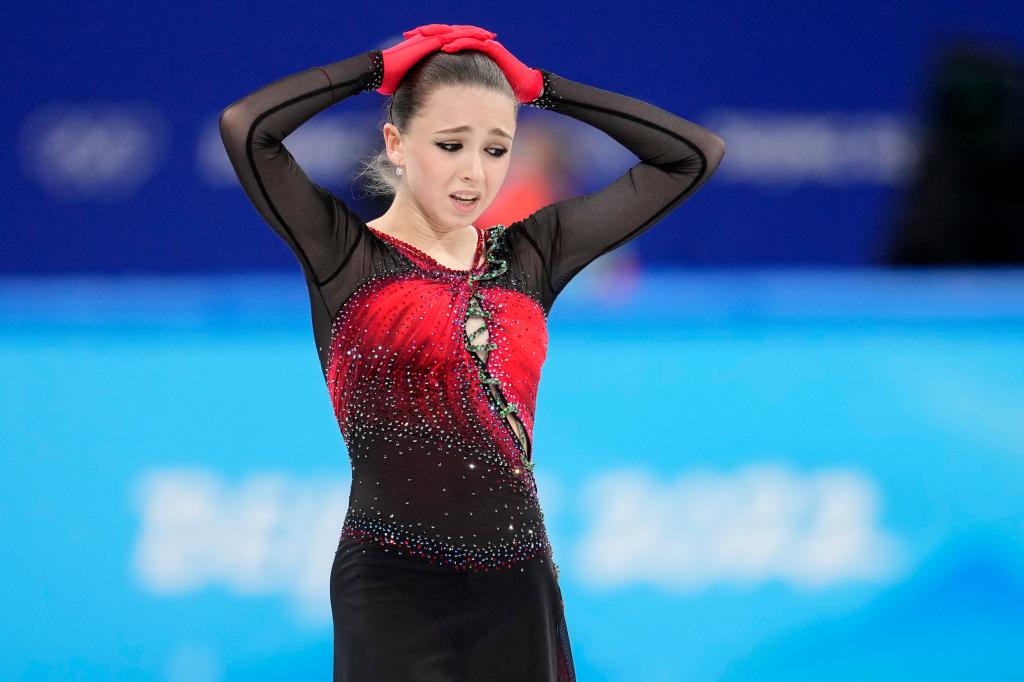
(406, 383)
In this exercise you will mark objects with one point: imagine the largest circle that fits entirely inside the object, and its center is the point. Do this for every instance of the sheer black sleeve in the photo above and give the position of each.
(318, 227)
(676, 157)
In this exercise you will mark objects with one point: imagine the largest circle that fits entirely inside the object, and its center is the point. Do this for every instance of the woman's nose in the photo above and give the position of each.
(475, 169)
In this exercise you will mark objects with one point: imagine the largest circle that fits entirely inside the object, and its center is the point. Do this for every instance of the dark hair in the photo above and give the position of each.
(468, 67)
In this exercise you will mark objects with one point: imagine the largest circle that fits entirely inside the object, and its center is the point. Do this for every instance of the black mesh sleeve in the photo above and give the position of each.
(676, 157)
(318, 227)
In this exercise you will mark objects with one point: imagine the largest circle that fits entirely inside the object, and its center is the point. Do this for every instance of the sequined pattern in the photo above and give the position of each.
(438, 469)
(481, 351)
(376, 75)
(547, 97)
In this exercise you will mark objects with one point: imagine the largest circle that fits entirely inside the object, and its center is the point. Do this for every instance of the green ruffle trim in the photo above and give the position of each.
(474, 309)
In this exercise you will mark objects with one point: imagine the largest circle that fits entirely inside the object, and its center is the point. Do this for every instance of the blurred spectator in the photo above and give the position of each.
(965, 200)
(537, 177)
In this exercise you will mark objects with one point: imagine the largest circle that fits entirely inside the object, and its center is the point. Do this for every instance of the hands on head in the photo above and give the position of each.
(423, 40)
(444, 29)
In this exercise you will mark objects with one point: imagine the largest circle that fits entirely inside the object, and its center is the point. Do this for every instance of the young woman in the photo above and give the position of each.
(431, 333)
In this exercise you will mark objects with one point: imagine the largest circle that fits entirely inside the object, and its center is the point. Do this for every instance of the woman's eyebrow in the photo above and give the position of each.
(464, 129)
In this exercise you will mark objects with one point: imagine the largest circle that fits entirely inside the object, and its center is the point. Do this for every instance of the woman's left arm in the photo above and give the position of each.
(676, 158)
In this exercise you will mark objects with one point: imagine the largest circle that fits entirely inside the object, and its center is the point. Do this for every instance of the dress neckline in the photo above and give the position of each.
(425, 258)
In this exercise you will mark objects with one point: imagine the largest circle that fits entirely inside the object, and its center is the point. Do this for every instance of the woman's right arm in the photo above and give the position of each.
(316, 224)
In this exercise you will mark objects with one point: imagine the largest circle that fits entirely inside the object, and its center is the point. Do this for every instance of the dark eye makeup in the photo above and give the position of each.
(501, 151)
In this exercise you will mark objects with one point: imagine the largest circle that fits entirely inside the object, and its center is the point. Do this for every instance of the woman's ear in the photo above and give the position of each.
(393, 144)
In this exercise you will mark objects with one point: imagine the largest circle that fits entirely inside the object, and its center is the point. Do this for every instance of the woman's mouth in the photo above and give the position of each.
(464, 202)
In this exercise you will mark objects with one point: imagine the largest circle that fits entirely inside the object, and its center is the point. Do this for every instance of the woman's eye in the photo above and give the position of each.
(496, 152)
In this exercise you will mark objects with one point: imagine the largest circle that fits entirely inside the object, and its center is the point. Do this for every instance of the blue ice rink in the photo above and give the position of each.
(747, 475)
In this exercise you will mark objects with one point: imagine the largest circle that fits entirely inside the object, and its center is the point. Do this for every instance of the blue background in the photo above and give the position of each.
(905, 387)
(761, 455)
(859, 72)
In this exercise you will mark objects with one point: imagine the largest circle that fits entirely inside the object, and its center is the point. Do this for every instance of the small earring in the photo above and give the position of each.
(398, 171)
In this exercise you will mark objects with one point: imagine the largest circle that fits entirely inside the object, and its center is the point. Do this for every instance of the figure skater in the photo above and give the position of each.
(431, 333)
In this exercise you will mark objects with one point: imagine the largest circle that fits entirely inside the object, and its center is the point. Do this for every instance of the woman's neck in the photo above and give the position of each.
(451, 247)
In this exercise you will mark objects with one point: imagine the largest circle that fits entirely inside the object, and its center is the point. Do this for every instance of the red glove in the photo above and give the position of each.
(418, 43)
(526, 82)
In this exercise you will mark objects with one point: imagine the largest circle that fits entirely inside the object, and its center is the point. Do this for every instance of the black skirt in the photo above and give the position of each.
(400, 618)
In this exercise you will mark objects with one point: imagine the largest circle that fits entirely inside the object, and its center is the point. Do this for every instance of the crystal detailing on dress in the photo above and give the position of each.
(547, 95)
(376, 75)
(461, 556)
(437, 472)
(425, 260)
(491, 384)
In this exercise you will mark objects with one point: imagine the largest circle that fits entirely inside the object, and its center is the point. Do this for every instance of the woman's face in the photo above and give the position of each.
(460, 143)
